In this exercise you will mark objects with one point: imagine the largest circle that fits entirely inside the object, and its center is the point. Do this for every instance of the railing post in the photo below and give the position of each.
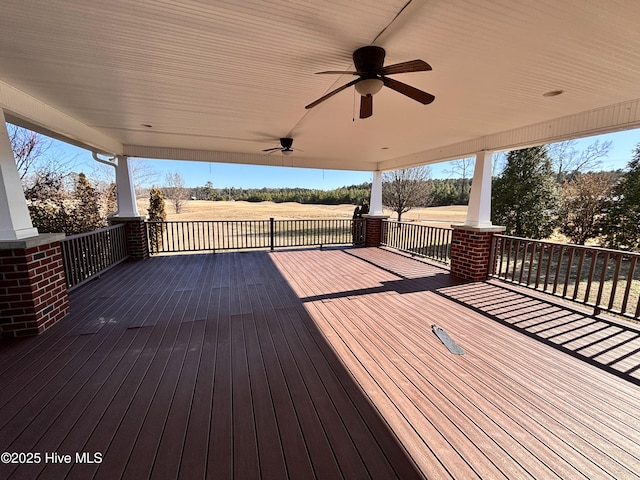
(373, 230)
(272, 233)
(136, 233)
(33, 285)
(471, 251)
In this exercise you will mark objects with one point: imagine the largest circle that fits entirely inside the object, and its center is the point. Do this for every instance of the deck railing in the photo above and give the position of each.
(417, 239)
(213, 235)
(86, 255)
(607, 280)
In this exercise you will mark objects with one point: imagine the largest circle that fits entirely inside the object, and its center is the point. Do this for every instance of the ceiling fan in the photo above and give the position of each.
(372, 76)
(285, 147)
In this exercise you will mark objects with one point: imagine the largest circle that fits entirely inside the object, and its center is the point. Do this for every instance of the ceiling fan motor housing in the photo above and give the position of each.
(286, 143)
(369, 59)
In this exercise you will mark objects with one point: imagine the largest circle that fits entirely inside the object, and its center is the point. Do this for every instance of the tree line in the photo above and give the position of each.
(533, 200)
(445, 191)
(351, 194)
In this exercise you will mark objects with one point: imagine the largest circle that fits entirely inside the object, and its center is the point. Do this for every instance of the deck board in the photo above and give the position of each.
(312, 363)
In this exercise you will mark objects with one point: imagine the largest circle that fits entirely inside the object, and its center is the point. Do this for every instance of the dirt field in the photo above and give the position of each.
(205, 210)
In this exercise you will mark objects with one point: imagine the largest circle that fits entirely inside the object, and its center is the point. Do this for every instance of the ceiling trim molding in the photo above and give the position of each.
(612, 118)
(26, 111)
(274, 160)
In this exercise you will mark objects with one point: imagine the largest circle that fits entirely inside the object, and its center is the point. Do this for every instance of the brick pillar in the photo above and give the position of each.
(136, 232)
(33, 287)
(471, 251)
(373, 229)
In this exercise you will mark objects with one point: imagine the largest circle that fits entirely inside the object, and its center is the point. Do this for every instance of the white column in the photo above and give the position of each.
(126, 193)
(479, 210)
(15, 222)
(375, 204)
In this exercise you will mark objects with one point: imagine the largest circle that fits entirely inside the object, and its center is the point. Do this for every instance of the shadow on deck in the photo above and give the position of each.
(606, 343)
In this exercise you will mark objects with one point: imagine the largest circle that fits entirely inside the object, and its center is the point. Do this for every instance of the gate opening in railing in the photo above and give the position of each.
(607, 280)
(425, 241)
(86, 255)
(213, 235)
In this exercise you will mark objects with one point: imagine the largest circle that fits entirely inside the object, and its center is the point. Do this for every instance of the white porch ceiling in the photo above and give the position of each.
(222, 80)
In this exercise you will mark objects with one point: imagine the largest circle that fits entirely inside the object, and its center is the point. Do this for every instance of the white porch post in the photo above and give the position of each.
(479, 209)
(135, 228)
(375, 204)
(126, 194)
(15, 222)
(471, 242)
(375, 233)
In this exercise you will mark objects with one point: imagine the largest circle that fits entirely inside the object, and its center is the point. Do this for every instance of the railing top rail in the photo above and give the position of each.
(204, 221)
(585, 247)
(260, 220)
(93, 232)
(414, 223)
(319, 219)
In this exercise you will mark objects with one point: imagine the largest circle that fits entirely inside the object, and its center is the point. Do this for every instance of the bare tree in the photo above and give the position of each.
(583, 203)
(34, 156)
(461, 169)
(407, 188)
(144, 175)
(28, 148)
(176, 191)
(498, 162)
(569, 161)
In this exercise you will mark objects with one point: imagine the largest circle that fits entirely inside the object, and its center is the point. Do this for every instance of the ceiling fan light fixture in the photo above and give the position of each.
(287, 151)
(369, 86)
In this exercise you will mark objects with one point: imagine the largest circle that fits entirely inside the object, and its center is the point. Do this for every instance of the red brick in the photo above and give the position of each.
(35, 289)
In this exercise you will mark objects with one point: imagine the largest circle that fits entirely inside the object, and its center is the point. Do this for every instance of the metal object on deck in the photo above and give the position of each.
(447, 340)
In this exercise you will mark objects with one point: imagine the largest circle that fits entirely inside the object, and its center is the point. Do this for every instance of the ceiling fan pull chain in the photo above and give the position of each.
(353, 109)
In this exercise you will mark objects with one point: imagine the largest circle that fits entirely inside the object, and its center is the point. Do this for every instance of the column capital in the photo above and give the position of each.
(478, 228)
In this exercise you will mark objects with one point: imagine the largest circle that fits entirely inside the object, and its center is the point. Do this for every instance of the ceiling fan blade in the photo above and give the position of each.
(406, 67)
(366, 106)
(411, 92)
(332, 93)
(272, 149)
(339, 72)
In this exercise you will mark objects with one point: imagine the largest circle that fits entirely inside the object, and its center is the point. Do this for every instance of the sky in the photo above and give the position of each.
(196, 174)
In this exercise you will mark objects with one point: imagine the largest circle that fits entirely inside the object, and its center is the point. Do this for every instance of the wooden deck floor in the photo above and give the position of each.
(316, 364)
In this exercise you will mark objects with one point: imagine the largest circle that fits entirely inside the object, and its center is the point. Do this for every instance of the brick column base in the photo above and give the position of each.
(471, 251)
(136, 232)
(33, 287)
(373, 229)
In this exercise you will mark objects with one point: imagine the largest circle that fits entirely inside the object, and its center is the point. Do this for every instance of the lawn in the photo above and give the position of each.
(224, 210)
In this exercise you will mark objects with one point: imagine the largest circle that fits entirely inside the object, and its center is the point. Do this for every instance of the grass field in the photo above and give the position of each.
(206, 210)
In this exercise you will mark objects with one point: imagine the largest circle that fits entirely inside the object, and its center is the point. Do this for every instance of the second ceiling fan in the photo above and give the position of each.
(372, 76)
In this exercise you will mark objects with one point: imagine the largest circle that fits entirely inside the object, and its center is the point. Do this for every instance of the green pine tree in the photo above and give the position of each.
(156, 213)
(86, 215)
(621, 224)
(525, 197)
(111, 199)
